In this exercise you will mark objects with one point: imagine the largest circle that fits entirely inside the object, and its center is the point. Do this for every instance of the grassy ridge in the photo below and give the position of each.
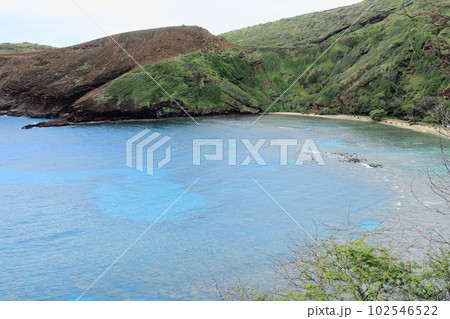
(24, 47)
(310, 28)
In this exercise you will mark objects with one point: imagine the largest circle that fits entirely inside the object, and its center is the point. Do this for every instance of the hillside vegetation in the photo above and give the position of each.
(394, 59)
(78, 83)
(24, 47)
(387, 60)
(204, 83)
(311, 28)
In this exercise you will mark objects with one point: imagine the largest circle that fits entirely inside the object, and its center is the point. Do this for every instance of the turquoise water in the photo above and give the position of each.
(70, 206)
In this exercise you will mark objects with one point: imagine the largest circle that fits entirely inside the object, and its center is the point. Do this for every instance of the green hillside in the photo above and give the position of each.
(311, 28)
(394, 59)
(387, 60)
(205, 83)
(24, 47)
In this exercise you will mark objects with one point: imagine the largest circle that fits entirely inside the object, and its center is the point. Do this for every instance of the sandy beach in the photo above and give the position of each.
(423, 128)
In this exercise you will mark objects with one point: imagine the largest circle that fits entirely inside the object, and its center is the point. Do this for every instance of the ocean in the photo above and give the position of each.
(70, 206)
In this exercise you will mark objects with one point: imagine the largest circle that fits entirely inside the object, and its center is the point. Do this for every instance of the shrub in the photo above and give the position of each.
(332, 112)
(377, 114)
(429, 120)
(355, 270)
(321, 112)
(351, 271)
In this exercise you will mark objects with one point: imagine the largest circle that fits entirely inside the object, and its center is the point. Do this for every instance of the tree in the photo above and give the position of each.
(355, 270)
(348, 271)
(435, 277)
(439, 181)
(377, 114)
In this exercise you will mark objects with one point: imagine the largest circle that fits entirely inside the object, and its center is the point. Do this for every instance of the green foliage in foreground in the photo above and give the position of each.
(356, 270)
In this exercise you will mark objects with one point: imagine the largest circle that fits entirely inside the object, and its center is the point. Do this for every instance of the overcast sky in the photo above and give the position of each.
(63, 23)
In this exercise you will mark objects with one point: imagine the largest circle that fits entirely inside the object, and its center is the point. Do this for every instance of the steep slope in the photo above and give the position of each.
(49, 84)
(387, 61)
(311, 28)
(203, 83)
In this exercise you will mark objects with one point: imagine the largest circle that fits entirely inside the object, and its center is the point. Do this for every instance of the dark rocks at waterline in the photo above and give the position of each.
(351, 158)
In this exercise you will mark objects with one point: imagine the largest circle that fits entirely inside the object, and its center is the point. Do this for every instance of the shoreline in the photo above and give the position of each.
(422, 128)
(62, 122)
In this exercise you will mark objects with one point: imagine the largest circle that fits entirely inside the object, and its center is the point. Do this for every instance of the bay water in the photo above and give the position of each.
(69, 205)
